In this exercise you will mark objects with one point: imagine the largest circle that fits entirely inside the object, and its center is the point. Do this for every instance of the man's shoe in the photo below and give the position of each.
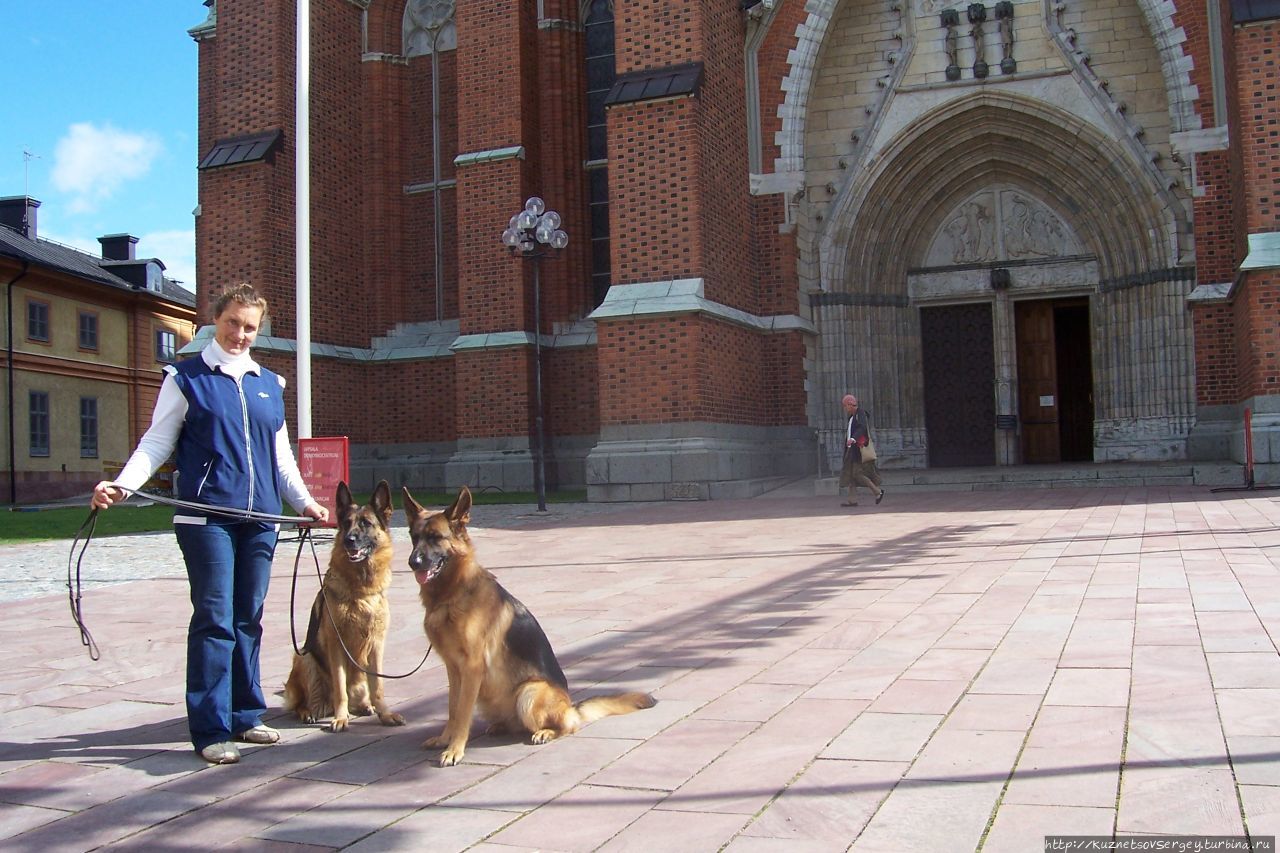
(220, 753)
(880, 496)
(259, 734)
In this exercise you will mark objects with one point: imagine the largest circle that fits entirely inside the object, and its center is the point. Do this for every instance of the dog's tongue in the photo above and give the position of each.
(421, 576)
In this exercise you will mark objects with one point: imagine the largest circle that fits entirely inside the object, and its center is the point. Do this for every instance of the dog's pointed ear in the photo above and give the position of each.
(411, 507)
(382, 501)
(344, 497)
(459, 512)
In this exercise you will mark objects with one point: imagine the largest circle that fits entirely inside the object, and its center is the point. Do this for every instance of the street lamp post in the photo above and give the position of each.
(531, 234)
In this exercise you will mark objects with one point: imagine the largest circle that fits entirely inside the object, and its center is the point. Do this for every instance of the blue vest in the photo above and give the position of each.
(226, 454)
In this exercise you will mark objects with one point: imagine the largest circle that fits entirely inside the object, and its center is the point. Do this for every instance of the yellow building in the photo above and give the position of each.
(86, 338)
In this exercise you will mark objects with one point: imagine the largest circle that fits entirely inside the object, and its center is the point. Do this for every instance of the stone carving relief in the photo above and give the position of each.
(933, 7)
(428, 27)
(998, 225)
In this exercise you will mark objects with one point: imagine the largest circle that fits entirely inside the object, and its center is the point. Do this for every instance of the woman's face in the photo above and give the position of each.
(236, 327)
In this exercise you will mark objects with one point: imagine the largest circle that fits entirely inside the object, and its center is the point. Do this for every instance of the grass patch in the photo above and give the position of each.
(35, 525)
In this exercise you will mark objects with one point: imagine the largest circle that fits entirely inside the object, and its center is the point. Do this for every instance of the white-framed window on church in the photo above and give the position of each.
(597, 18)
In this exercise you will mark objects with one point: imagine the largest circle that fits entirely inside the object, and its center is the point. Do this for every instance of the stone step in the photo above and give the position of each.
(1061, 476)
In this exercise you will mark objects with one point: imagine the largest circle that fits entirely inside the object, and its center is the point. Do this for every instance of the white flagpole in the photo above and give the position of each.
(302, 202)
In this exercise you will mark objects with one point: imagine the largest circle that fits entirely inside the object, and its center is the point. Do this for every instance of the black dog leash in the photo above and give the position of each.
(302, 652)
(75, 594)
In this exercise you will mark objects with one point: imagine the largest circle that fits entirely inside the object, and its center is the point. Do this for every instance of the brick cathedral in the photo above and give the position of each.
(1019, 231)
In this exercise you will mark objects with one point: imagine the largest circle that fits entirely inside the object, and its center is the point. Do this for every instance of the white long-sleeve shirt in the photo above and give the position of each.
(171, 412)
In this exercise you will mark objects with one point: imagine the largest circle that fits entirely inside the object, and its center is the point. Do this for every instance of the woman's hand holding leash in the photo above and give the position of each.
(105, 494)
(317, 512)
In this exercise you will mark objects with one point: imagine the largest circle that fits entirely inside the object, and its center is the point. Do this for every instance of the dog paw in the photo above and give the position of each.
(450, 757)
(339, 724)
(304, 715)
(543, 735)
(362, 710)
(435, 742)
(391, 718)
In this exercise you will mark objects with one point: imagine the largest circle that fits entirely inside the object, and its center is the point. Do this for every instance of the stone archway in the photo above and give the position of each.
(1116, 242)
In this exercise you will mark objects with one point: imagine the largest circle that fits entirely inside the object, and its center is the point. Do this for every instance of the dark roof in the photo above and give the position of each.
(670, 82)
(241, 149)
(56, 256)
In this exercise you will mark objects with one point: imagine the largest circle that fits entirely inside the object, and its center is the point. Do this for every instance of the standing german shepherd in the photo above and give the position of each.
(353, 598)
(493, 649)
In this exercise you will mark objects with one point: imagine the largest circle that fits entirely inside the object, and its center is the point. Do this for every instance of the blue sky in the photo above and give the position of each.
(105, 95)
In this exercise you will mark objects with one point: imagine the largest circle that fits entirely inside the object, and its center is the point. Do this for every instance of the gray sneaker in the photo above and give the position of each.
(259, 734)
(221, 753)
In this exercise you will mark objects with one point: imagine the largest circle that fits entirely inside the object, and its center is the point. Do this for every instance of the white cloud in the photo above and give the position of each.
(177, 249)
(92, 162)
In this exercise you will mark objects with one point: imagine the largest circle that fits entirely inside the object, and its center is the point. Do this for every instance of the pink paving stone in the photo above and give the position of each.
(1244, 712)
(828, 804)
(547, 770)
(242, 816)
(1019, 828)
(753, 772)
(1255, 760)
(751, 702)
(940, 817)
(972, 636)
(1090, 687)
(15, 819)
(666, 761)
(1261, 809)
(1025, 676)
(1071, 758)
(987, 712)
(52, 784)
(1179, 800)
(581, 819)
(940, 664)
(438, 829)
(1109, 608)
(106, 823)
(1233, 632)
(883, 737)
(1244, 669)
(907, 696)
(806, 667)
(1099, 643)
(675, 832)
(960, 755)
(711, 681)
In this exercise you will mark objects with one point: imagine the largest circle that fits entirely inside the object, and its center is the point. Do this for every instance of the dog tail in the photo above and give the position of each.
(596, 707)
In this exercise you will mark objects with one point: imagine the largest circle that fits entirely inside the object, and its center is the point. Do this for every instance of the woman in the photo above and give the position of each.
(224, 415)
(855, 472)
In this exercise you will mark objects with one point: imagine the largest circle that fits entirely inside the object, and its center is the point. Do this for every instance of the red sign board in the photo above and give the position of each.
(324, 463)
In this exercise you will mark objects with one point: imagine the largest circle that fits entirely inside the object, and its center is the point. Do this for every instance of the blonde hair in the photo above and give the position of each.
(243, 293)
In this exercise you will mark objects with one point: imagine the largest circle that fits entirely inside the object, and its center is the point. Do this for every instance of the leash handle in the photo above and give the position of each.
(74, 595)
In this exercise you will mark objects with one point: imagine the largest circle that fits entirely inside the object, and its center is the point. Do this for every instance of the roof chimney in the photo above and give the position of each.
(19, 213)
(118, 247)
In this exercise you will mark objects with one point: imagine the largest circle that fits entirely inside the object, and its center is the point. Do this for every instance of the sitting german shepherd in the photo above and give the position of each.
(353, 597)
(494, 650)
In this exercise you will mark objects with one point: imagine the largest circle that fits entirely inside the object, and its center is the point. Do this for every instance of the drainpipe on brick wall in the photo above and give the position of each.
(13, 465)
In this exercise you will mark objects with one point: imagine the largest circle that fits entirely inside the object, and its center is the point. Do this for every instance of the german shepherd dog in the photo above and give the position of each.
(352, 600)
(495, 652)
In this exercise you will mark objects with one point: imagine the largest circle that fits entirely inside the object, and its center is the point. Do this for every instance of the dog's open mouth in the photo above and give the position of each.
(427, 575)
(359, 555)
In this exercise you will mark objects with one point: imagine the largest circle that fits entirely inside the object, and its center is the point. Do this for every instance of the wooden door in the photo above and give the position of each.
(959, 384)
(1037, 381)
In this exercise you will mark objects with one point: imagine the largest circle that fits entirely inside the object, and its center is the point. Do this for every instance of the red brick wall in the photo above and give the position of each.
(570, 391)
(245, 231)
(1216, 375)
(494, 392)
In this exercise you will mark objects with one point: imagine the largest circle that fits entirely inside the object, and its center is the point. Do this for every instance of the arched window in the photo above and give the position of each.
(598, 24)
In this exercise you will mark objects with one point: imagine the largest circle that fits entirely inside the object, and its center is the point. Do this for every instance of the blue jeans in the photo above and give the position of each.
(229, 567)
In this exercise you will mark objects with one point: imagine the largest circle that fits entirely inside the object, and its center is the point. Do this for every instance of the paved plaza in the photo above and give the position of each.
(949, 671)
